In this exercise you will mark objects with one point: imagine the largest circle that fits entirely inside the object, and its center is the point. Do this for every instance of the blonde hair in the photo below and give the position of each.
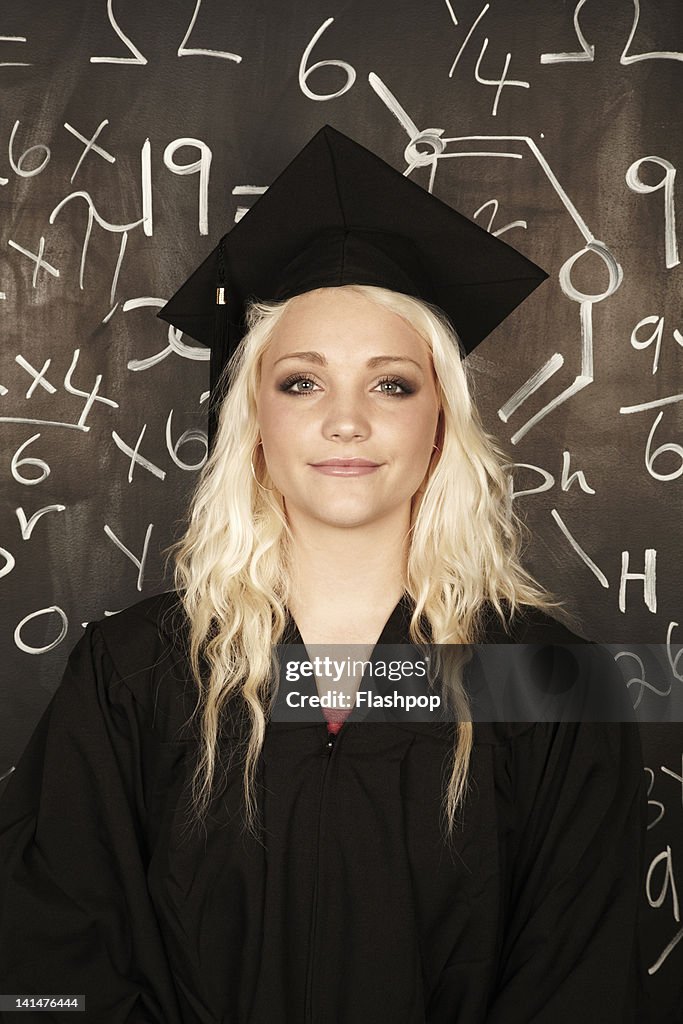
(232, 566)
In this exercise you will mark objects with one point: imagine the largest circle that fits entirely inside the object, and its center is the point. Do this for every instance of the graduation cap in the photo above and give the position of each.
(336, 215)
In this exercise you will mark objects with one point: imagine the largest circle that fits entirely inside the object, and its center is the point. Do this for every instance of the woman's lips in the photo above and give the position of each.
(351, 467)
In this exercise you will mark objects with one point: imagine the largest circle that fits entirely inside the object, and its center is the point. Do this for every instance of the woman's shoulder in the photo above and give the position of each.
(158, 616)
(142, 646)
(528, 625)
(552, 661)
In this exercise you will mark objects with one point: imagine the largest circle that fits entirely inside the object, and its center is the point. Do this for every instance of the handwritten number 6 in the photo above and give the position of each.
(304, 72)
(650, 456)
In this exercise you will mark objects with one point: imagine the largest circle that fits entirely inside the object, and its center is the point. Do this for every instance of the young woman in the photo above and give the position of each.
(176, 854)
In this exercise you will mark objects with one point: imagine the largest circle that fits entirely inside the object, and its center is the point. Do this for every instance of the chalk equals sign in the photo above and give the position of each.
(246, 190)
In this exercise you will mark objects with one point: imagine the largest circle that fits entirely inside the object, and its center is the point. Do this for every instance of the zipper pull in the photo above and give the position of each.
(333, 730)
(332, 736)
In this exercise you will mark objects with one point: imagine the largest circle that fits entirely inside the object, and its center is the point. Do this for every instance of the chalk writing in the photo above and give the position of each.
(185, 438)
(9, 561)
(38, 376)
(27, 525)
(185, 51)
(93, 215)
(137, 57)
(174, 336)
(89, 146)
(29, 648)
(583, 555)
(650, 456)
(631, 58)
(567, 479)
(246, 190)
(305, 72)
(666, 184)
(139, 562)
(587, 51)
(501, 82)
(649, 578)
(200, 167)
(17, 463)
(13, 63)
(40, 263)
(17, 164)
(493, 203)
(644, 686)
(136, 458)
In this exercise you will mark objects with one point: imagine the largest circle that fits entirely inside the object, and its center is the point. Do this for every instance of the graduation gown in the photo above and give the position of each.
(349, 908)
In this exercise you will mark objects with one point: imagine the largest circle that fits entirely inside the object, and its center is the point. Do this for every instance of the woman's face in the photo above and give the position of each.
(344, 378)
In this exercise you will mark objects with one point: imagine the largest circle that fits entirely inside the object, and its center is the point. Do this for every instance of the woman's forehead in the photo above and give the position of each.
(338, 323)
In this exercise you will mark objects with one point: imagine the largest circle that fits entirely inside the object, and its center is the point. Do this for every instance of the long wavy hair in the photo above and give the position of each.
(232, 566)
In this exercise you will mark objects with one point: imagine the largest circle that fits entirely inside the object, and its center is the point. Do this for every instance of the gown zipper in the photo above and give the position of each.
(309, 1018)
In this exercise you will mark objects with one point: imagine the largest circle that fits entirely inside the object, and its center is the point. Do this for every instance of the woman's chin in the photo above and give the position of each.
(343, 515)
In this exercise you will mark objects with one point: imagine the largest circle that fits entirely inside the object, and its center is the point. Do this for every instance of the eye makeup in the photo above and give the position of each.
(296, 378)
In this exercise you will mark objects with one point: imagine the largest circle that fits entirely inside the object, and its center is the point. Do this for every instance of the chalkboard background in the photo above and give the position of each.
(135, 132)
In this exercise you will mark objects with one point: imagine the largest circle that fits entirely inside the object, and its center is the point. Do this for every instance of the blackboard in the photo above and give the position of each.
(134, 134)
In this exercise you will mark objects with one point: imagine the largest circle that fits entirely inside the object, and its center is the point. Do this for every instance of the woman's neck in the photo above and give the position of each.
(346, 571)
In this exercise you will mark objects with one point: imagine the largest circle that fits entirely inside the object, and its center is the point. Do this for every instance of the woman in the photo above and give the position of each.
(171, 850)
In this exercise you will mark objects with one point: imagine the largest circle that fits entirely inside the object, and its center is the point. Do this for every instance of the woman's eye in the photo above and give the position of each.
(390, 386)
(289, 385)
(393, 383)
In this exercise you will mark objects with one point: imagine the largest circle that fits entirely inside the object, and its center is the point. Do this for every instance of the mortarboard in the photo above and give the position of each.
(338, 214)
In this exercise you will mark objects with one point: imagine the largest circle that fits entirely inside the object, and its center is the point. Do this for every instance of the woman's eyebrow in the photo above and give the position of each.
(316, 357)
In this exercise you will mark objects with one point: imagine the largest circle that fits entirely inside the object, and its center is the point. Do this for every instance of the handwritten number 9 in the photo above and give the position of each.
(666, 184)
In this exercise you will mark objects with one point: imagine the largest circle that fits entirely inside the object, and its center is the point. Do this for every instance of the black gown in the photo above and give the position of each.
(349, 909)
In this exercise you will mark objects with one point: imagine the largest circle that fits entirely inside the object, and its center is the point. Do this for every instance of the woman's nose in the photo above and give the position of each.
(346, 415)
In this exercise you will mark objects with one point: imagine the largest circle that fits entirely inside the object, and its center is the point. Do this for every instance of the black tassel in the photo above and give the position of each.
(220, 350)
